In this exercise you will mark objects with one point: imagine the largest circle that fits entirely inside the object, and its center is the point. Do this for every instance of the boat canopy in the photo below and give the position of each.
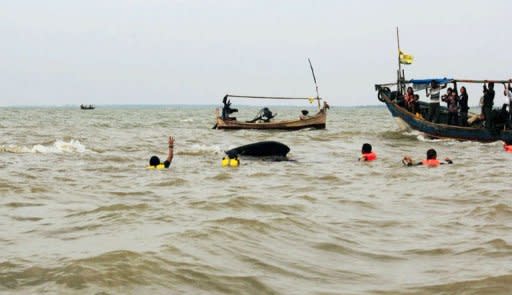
(421, 84)
(427, 81)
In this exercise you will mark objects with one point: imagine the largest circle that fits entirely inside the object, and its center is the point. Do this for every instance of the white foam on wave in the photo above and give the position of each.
(421, 137)
(58, 147)
(199, 149)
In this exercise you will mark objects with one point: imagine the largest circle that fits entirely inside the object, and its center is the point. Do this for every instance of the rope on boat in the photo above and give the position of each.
(273, 97)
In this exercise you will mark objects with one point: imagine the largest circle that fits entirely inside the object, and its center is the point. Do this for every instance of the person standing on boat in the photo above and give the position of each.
(433, 108)
(453, 115)
(488, 102)
(508, 93)
(464, 108)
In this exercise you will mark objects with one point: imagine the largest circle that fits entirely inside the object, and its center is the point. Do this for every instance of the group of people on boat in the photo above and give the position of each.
(457, 105)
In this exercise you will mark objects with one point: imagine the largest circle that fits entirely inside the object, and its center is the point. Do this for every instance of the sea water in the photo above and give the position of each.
(80, 214)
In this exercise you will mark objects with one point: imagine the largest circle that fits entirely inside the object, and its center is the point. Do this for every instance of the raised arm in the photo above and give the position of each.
(170, 154)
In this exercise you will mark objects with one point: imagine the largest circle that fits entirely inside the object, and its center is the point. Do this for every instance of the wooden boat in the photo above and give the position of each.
(498, 127)
(417, 121)
(87, 107)
(224, 121)
(265, 118)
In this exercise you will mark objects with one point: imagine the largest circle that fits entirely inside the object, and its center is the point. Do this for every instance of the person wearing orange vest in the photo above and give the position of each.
(507, 147)
(430, 161)
(366, 153)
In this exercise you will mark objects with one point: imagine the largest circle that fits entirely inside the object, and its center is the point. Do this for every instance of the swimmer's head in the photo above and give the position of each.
(431, 154)
(154, 161)
(367, 148)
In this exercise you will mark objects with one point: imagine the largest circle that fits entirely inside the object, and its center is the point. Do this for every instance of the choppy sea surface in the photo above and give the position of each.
(80, 214)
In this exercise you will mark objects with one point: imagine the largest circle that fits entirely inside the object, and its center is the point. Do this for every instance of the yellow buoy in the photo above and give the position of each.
(225, 162)
(234, 162)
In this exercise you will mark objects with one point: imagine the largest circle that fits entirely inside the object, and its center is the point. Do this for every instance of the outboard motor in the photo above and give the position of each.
(264, 114)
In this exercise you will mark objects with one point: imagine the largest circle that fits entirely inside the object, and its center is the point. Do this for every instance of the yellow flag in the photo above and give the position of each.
(405, 59)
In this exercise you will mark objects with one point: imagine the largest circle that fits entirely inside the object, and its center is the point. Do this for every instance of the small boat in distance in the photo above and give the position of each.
(87, 107)
(265, 119)
(413, 114)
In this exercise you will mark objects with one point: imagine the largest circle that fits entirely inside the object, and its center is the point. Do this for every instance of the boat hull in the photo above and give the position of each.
(316, 121)
(436, 130)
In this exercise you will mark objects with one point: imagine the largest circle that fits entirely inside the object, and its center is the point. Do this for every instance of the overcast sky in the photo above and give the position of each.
(193, 52)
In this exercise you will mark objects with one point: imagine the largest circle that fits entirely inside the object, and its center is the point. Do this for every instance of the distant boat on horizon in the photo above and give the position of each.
(87, 107)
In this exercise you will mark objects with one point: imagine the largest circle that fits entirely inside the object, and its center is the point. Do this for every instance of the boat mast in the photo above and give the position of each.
(316, 85)
(399, 74)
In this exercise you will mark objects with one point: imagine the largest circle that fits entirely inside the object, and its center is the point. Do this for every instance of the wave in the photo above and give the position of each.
(200, 149)
(57, 147)
(126, 271)
(492, 212)
(489, 285)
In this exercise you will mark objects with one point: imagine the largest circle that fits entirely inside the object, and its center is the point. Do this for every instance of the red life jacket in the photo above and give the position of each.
(508, 148)
(370, 156)
(431, 163)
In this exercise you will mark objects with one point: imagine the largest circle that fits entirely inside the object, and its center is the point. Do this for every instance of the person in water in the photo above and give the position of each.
(507, 147)
(366, 153)
(154, 161)
(430, 161)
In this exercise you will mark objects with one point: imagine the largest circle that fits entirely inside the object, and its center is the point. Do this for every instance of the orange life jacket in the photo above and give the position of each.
(431, 163)
(508, 148)
(370, 156)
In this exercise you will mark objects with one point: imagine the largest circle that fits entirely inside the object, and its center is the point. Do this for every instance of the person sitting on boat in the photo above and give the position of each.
(488, 102)
(154, 161)
(409, 99)
(304, 114)
(265, 115)
(366, 153)
(464, 108)
(433, 108)
(430, 161)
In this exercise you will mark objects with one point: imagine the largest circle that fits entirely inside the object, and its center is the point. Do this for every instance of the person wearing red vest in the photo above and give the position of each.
(507, 147)
(430, 161)
(366, 153)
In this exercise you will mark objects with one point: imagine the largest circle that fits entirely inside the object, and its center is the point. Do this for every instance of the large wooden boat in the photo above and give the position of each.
(497, 125)
(416, 121)
(224, 121)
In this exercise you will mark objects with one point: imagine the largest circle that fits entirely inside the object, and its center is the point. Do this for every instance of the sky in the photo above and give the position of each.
(60, 52)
